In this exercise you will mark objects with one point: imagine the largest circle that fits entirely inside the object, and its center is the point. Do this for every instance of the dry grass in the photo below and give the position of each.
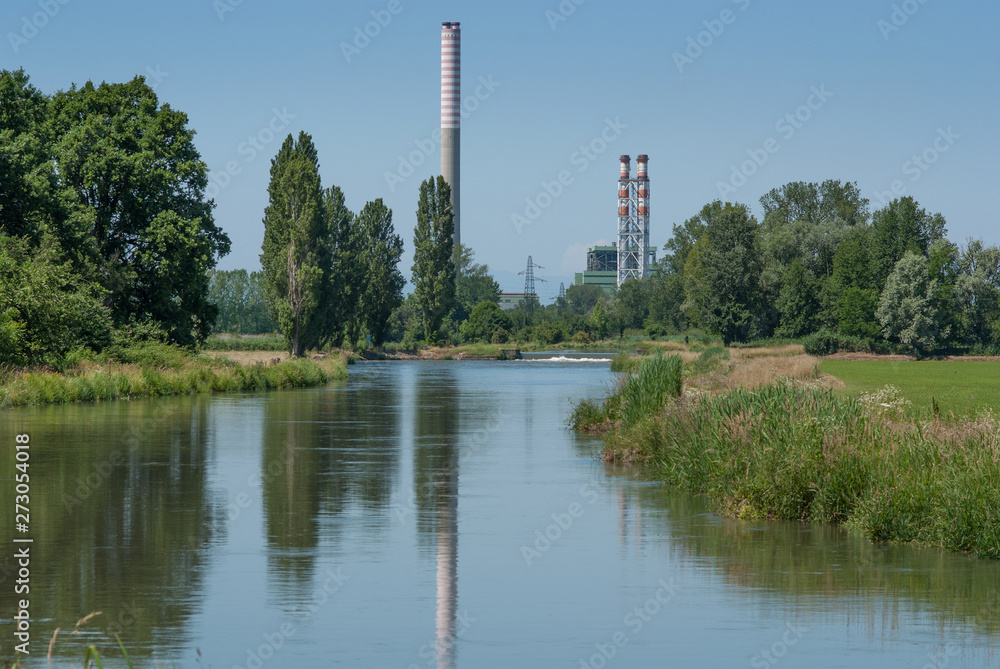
(755, 372)
(769, 352)
(249, 357)
(665, 345)
(758, 371)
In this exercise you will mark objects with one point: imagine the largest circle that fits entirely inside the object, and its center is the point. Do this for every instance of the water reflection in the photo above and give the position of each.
(435, 471)
(828, 571)
(325, 457)
(143, 535)
(122, 515)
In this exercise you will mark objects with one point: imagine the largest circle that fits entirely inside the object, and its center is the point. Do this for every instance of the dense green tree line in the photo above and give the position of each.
(242, 302)
(107, 236)
(821, 262)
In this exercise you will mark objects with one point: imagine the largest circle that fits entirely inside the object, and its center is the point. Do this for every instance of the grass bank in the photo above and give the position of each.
(798, 451)
(158, 370)
(958, 386)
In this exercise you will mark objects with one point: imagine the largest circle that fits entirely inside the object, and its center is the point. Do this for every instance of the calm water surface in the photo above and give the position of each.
(439, 514)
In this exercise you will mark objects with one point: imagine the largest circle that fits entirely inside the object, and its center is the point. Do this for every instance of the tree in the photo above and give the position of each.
(473, 284)
(856, 313)
(342, 293)
(686, 235)
(722, 275)
(242, 302)
(582, 298)
(296, 246)
(666, 295)
(28, 184)
(486, 320)
(600, 322)
(133, 184)
(908, 309)
(46, 310)
(632, 302)
(813, 203)
(977, 293)
(381, 249)
(433, 258)
(899, 227)
(797, 303)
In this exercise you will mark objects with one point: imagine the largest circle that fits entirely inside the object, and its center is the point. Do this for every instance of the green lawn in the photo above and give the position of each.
(957, 385)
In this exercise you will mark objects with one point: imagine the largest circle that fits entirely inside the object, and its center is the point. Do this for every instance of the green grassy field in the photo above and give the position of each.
(957, 385)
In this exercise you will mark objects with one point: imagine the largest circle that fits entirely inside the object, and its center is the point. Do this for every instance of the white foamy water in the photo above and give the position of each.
(562, 358)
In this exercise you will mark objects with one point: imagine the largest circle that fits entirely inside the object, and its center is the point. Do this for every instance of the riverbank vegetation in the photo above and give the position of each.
(153, 370)
(794, 449)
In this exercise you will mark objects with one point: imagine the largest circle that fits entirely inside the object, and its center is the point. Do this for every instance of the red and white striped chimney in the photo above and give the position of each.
(643, 178)
(451, 113)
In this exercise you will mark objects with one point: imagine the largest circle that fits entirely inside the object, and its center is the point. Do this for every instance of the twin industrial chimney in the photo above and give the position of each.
(634, 257)
(451, 115)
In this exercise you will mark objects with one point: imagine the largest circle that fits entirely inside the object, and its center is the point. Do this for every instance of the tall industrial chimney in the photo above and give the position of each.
(451, 115)
(643, 210)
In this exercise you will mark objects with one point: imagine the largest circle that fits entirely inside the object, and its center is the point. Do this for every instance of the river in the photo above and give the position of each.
(439, 514)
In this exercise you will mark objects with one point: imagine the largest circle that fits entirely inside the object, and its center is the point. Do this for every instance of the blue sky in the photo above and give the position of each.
(869, 84)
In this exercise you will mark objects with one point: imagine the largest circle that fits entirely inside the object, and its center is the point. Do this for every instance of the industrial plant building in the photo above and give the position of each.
(602, 268)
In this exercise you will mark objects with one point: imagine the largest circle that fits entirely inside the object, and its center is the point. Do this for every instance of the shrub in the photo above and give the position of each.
(656, 331)
(623, 362)
(270, 343)
(149, 354)
(551, 332)
(825, 342)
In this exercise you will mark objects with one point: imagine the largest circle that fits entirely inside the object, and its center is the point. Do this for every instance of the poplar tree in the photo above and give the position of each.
(433, 257)
(380, 250)
(297, 245)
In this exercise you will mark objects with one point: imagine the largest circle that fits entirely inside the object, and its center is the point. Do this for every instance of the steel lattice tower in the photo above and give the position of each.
(530, 297)
(633, 221)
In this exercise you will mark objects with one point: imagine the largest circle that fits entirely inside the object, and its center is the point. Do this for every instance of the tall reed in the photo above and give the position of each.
(790, 452)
